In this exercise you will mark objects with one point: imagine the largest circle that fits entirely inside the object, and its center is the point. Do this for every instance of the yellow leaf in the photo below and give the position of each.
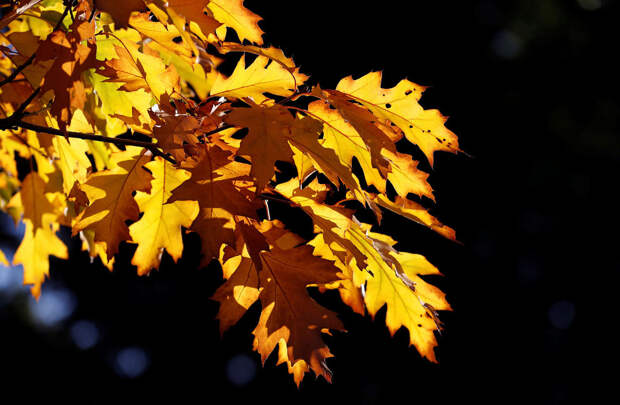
(340, 136)
(406, 177)
(40, 240)
(399, 105)
(416, 213)
(137, 70)
(192, 73)
(262, 76)
(72, 158)
(233, 14)
(271, 52)
(111, 201)
(411, 302)
(331, 221)
(163, 34)
(115, 102)
(160, 226)
(96, 249)
(239, 291)
(350, 292)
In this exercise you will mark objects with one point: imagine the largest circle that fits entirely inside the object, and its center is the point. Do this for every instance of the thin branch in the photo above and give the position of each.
(18, 70)
(15, 121)
(20, 110)
(92, 137)
(32, 148)
(216, 130)
(62, 17)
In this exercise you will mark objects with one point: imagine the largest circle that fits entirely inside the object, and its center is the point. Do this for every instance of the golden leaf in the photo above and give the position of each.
(160, 226)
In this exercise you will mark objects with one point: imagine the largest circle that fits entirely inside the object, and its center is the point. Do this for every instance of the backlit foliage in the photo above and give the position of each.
(117, 123)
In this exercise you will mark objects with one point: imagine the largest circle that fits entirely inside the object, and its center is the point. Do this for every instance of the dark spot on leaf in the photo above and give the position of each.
(408, 92)
(177, 40)
(388, 105)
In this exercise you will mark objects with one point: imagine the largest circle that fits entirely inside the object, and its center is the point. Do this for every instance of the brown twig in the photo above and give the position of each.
(92, 137)
(216, 130)
(18, 70)
(62, 17)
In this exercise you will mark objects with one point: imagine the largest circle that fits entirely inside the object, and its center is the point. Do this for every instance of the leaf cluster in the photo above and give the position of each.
(134, 134)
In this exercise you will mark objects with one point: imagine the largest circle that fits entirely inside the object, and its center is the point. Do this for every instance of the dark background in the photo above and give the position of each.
(531, 91)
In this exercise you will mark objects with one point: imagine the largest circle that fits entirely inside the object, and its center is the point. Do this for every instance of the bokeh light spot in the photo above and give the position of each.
(241, 370)
(54, 306)
(561, 314)
(131, 362)
(84, 334)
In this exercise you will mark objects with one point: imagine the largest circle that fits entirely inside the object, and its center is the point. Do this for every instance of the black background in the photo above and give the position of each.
(531, 91)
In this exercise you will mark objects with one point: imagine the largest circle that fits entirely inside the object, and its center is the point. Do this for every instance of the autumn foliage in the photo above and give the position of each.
(118, 123)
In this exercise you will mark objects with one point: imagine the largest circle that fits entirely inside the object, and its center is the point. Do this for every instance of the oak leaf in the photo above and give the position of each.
(72, 53)
(399, 105)
(120, 10)
(410, 301)
(233, 14)
(261, 76)
(417, 213)
(111, 201)
(239, 292)
(289, 316)
(40, 240)
(118, 122)
(220, 185)
(160, 226)
(194, 10)
(241, 288)
(137, 70)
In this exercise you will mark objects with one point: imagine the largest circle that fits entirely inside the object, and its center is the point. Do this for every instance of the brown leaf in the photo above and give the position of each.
(218, 184)
(289, 316)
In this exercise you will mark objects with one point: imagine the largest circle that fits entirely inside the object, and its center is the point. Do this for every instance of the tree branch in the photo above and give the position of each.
(216, 130)
(17, 70)
(100, 138)
(8, 123)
